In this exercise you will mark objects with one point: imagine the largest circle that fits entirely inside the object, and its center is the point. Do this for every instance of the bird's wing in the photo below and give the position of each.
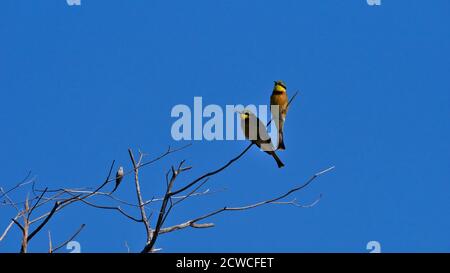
(264, 138)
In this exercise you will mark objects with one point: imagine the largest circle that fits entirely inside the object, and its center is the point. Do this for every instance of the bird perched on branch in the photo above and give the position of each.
(255, 131)
(119, 177)
(279, 106)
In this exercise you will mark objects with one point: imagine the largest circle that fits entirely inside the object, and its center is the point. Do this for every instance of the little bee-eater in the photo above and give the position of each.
(255, 131)
(278, 107)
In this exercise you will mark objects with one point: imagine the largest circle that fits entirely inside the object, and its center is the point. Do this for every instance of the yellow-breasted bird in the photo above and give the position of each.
(119, 177)
(279, 106)
(255, 131)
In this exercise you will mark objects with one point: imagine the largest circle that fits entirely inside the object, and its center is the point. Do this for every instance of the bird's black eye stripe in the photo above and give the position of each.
(280, 84)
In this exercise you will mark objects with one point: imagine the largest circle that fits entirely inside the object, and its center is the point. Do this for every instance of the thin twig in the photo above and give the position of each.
(19, 225)
(70, 239)
(213, 172)
(35, 204)
(5, 232)
(118, 208)
(18, 185)
(71, 200)
(50, 244)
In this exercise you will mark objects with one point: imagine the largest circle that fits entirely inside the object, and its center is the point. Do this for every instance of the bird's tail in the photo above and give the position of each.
(281, 141)
(277, 159)
(115, 188)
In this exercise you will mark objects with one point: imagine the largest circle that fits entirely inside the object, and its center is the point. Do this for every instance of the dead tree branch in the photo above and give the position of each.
(68, 240)
(144, 218)
(193, 222)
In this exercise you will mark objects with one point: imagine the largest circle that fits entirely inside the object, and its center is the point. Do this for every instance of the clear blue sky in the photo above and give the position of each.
(79, 85)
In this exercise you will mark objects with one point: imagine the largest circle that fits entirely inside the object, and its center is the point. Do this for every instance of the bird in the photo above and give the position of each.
(255, 131)
(279, 107)
(119, 177)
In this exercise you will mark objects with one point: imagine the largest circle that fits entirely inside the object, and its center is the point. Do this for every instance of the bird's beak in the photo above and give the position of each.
(275, 82)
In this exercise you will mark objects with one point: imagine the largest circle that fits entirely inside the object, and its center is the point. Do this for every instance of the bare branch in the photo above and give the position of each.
(275, 200)
(205, 192)
(61, 204)
(185, 225)
(168, 152)
(19, 225)
(296, 204)
(118, 208)
(50, 244)
(84, 191)
(163, 213)
(24, 182)
(9, 227)
(139, 195)
(192, 193)
(32, 234)
(35, 204)
(70, 239)
(213, 172)
(11, 202)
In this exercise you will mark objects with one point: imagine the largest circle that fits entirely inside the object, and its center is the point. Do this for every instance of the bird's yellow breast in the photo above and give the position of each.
(279, 88)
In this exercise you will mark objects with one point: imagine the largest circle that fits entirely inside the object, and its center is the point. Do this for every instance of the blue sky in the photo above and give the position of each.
(80, 85)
